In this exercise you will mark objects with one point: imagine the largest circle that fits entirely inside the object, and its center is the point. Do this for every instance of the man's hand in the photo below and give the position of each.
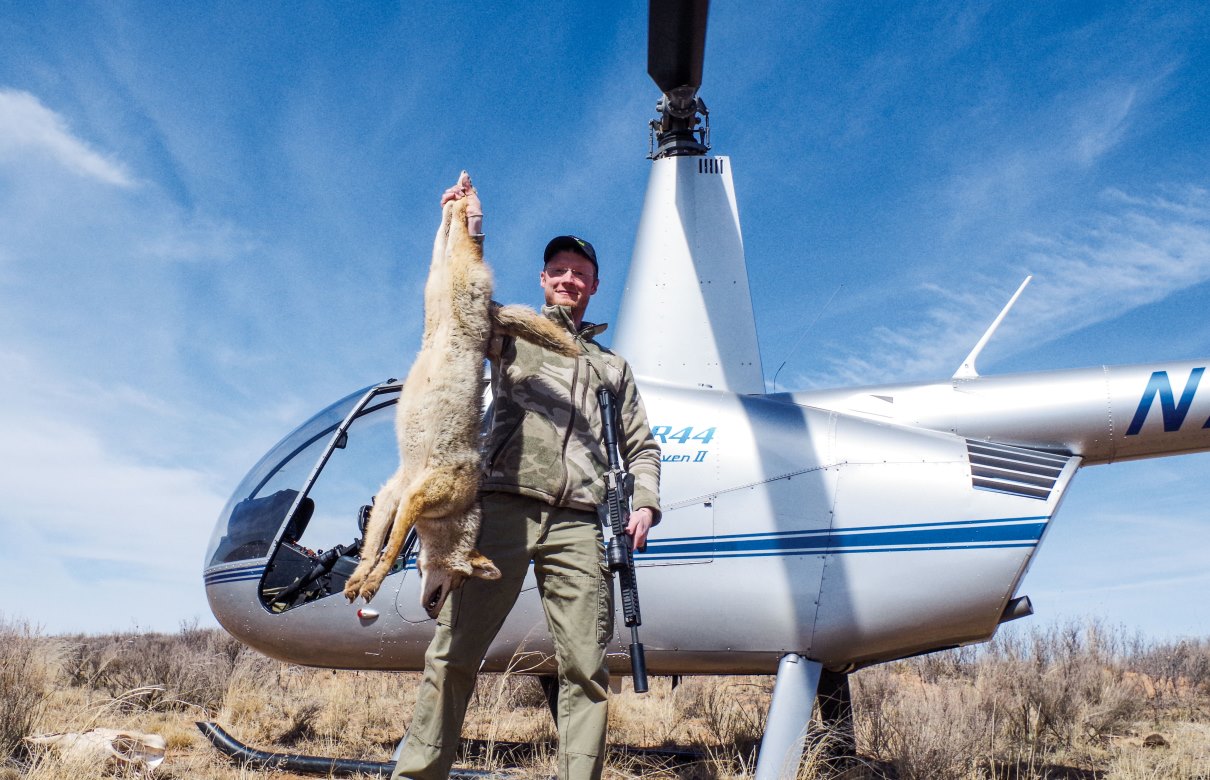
(474, 209)
(639, 525)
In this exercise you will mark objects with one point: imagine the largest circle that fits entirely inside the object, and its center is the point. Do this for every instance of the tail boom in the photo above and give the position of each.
(1104, 414)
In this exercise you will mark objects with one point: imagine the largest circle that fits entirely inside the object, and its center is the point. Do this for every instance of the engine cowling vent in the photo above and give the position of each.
(1016, 470)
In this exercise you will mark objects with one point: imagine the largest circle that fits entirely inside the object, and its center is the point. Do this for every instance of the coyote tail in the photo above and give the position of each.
(524, 323)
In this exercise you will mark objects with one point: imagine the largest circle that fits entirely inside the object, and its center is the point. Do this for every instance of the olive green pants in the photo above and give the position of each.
(568, 554)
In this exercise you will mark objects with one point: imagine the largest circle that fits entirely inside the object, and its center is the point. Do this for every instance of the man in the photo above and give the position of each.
(543, 477)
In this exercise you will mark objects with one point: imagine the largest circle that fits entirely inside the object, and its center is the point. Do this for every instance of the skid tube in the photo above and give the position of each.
(344, 767)
(307, 765)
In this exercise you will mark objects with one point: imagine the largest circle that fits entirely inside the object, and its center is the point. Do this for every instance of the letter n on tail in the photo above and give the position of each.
(1174, 413)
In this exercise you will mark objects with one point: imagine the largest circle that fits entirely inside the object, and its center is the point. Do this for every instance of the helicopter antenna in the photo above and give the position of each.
(967, 369)
(676, 45)
(804, 335)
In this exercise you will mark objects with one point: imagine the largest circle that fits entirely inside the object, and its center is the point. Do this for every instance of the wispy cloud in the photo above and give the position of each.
(1140, 249)
(196, 238)
(1134, 251)
(1026, 161)
(1103, 124)
(28, 127)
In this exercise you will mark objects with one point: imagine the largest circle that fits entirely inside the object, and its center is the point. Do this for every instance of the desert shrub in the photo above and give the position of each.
(1057, 686)
(960, 663)
(27, 671)
(925, 730)
(723, 716)
(732, 709)
(157, 671)
(874, 691)
(1187, 757)
(523, 691)
(1176, 674)
(1030, 695)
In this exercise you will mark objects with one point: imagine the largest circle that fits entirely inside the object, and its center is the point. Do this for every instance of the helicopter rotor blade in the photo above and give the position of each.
(676, 43)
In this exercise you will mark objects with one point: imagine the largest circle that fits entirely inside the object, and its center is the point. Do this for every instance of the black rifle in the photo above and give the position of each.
(619, 487)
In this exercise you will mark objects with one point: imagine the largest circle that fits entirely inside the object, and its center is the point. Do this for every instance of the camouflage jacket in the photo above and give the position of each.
(545, 436)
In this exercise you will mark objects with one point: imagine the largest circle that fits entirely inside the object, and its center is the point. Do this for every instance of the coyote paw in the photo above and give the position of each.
(368, 590)
(353, 586)
(474, 209)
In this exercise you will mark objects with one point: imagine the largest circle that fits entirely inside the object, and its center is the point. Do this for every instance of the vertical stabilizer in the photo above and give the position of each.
(686, 314)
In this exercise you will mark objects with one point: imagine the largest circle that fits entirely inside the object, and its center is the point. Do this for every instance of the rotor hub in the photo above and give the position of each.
(682, 127)
(676, 45)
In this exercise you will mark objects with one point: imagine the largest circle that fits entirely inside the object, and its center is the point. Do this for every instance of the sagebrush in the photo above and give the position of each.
(1073, 700)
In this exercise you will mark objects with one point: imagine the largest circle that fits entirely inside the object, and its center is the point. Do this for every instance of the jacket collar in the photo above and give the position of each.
(561, 315)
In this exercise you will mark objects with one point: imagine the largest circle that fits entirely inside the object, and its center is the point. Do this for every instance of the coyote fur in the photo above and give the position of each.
(438, 419)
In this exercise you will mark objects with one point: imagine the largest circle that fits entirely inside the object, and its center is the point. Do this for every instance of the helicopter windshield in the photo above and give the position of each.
(352, 476)
(258, 507)
(304, 504)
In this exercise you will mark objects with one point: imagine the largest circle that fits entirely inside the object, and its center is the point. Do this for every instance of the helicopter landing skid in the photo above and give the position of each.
(308, 765)
(343, 767)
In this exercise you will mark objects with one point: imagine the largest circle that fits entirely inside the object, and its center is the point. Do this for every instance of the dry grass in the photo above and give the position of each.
(27, 678)
(1066, 701)
(1071, 702)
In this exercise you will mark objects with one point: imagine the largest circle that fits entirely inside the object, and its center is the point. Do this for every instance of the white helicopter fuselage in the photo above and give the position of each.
(847, 526)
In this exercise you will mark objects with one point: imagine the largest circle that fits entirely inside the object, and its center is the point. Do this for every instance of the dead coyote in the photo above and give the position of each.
(438, 419)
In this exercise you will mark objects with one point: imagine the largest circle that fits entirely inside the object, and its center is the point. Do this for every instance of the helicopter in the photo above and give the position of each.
(847, 527)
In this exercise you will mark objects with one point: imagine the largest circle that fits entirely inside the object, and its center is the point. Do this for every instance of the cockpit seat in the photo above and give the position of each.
(298, 523)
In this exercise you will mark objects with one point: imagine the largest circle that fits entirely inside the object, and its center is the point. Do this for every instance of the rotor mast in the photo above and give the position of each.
(687, 281)
(676, 46)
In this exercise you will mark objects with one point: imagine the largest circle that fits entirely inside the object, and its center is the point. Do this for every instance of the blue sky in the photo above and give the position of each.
(215, 219)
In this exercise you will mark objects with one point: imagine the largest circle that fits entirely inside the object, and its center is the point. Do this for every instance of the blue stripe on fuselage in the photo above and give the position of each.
(999, 533)
(966, 534)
